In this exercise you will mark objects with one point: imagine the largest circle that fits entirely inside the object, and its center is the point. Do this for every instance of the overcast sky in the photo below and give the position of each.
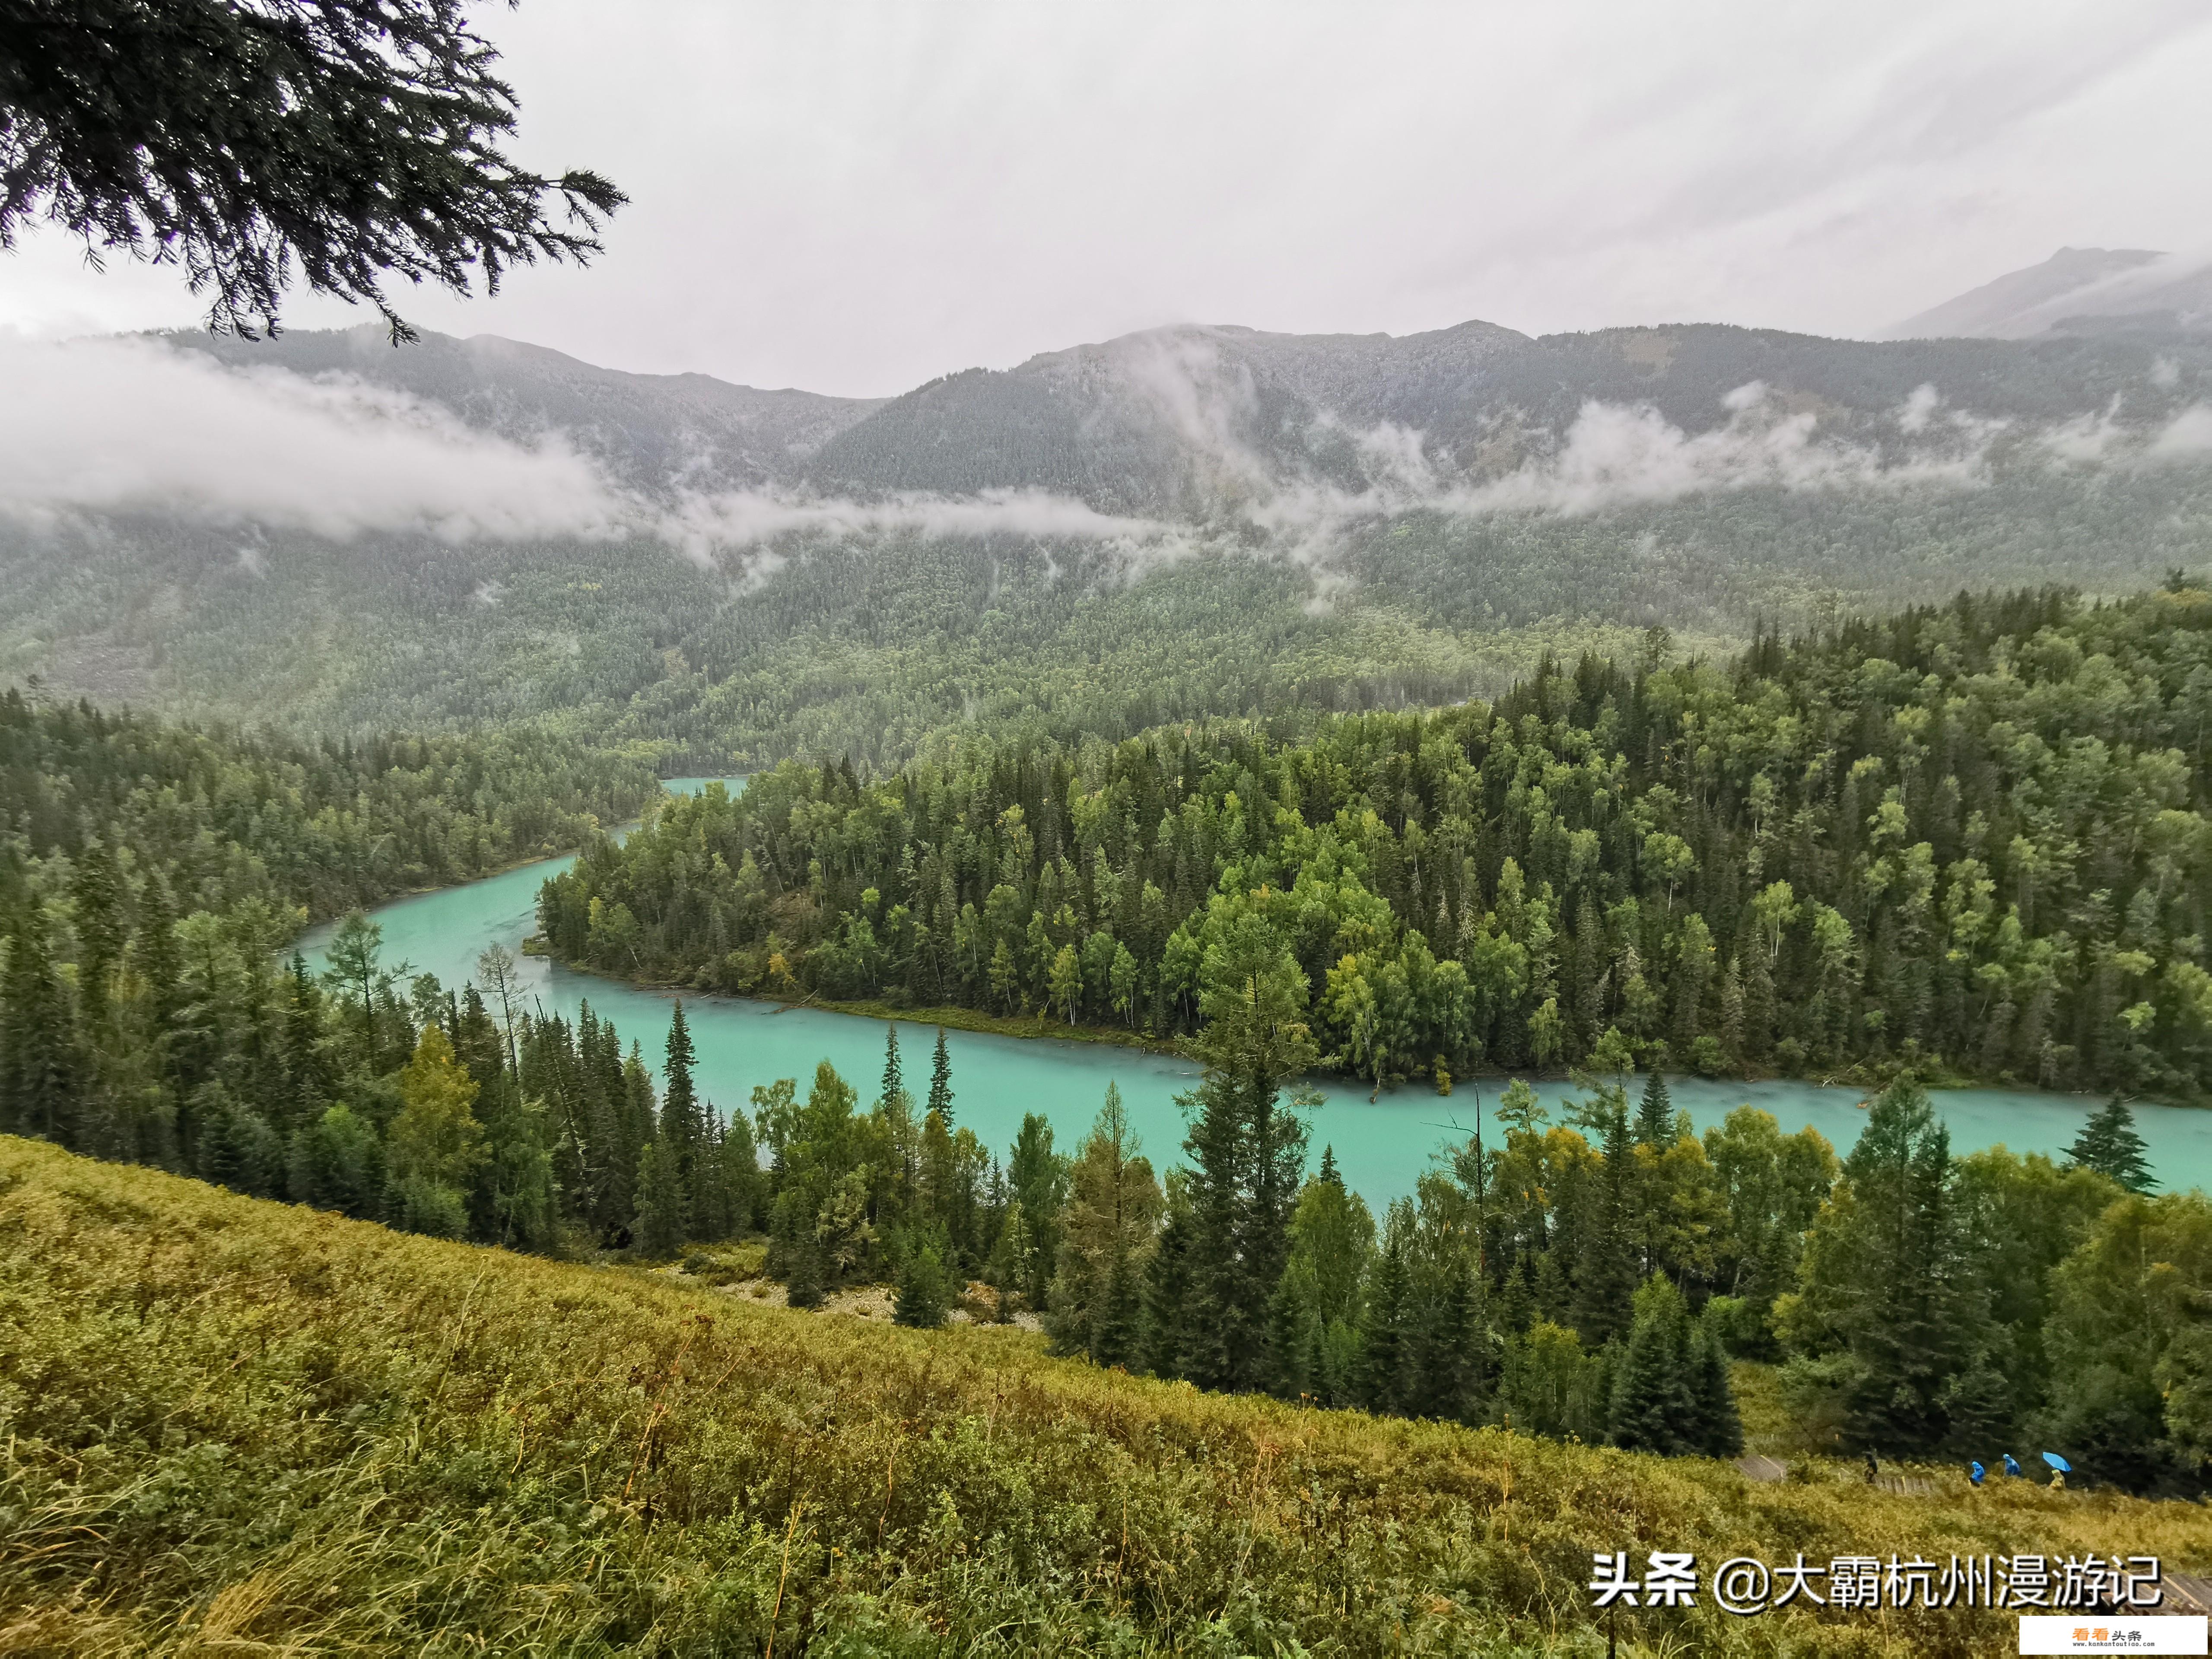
(854, 198)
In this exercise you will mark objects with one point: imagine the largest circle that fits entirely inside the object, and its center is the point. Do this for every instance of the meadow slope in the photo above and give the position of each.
(236, 1424)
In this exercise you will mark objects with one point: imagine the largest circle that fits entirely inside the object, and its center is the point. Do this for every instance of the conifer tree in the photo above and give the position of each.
(1886, 1277)
(1606, 1275)
(1037, 1177)
(1653, 1401)
(741, 1178)
(1012, 1267)
(1117, 1323)
(941, 1081)
(683, 1126)
(436, 1137)
(154, 957)
(338, 1165)
(1248, 1151)
(1108, 1228)
(96, 890)
(1655, 1114)
(1718, 1426)
(637, 1113)
(1446, 1366)
(2110, 1145)
(1385, 1319)
(305, 1064)
(38, 1057)
(256, 146)
(923, 1293)
(1165, 1341)
(892, 1080)
(660, 1202)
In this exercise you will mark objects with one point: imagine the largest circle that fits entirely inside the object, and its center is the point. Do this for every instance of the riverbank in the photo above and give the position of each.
(1871, 1076)
(1001, 1075)
(953, 1017)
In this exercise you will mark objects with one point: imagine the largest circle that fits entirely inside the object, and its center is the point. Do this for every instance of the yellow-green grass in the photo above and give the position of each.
(241, 1426)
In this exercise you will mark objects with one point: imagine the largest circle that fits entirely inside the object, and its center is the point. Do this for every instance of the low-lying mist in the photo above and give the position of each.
(129, 426)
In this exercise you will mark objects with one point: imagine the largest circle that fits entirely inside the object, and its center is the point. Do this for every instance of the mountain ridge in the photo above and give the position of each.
(2076, 291)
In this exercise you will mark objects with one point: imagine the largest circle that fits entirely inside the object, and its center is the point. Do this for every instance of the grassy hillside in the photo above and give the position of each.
(232, 1424)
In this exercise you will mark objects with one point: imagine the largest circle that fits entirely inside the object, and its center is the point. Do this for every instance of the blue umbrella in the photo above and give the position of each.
(2058, 1462)
(1974, 1472)
(2011, 1468)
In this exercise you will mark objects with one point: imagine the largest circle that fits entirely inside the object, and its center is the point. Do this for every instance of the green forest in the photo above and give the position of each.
(866, 645)
(1966, 840)
(1587, 723)
(1792, 845)
(152, 876)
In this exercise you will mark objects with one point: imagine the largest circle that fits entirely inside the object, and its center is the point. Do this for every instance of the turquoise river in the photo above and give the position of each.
(1382, 1147)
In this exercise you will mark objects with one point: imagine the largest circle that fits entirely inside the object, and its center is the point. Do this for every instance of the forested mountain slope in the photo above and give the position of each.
(151, 874)
(652, 430)
(1188, 522)
(1972, 837)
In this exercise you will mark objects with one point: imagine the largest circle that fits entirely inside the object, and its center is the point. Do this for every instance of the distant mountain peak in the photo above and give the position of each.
(2072, 286)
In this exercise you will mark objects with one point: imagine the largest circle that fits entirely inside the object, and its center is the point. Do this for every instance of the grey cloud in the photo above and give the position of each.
(130, 426)
(107, 426)
(124, 425)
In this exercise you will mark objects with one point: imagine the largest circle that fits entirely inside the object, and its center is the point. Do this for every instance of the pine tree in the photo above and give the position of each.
(38, 1070)
(941, 1081)
(1605, 1276)
(712, 1208)
(741, 1176)
(1165, 1338)
(892, 1080)
(2110, 1145)
(1106, 1227)
(1248, 1151)
(305, 1064)
(1289, 1347)
(1384, 1320)
(1887, 1274)
(156, 958)
(805, 1283)
(1446, 1367)
(1037, 1177)
(96, 888)
(1115, 1325)
(1655, 1114)
(1223, 1335)
(1653, 1400)
(923, 1294)
(637, 1112)
(1718, 1427)
(660, 1202)
(1012, 1267)
(682, 1127)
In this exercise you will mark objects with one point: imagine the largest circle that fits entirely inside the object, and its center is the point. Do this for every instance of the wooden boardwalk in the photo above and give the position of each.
(2185, 1593)
(1763, 1468)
